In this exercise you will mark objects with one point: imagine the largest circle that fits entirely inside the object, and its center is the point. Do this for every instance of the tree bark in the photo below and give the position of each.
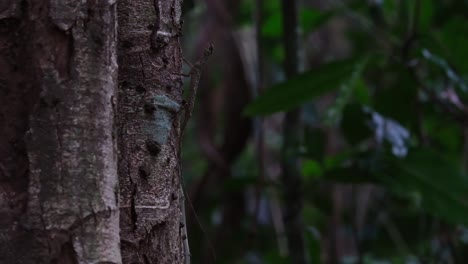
(58, 162)
(150, 101)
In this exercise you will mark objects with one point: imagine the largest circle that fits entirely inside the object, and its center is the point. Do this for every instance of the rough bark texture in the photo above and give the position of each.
(58, 170)
(150, 100)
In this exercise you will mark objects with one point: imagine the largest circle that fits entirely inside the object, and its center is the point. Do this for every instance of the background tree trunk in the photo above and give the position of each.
(58, 170)
(150, 99)
(291, 178)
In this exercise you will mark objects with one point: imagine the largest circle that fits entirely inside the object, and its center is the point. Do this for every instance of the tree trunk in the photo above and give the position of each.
(58, 169)
(150, 99)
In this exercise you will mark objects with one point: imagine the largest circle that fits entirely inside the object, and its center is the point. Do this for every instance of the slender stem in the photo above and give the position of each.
(258, 40)
(259, 133)
(291, 178)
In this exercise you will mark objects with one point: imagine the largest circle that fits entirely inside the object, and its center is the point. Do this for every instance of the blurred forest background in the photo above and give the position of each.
(329, 131)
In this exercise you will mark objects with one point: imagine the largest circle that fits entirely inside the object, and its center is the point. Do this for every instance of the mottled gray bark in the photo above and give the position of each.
(58, 163)
(150, 100)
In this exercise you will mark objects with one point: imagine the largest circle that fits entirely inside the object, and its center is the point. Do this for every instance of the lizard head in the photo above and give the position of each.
(209, 50)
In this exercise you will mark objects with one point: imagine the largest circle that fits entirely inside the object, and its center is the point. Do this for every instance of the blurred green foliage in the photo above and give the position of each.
(426, 48)
(306, 86)
(400, 107)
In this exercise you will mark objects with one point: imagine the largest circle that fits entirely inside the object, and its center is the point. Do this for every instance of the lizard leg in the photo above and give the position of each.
(188, 62)
(181, 74)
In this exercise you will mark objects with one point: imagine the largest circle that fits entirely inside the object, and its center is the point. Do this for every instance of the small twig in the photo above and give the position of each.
(259, 130)
(458, 116)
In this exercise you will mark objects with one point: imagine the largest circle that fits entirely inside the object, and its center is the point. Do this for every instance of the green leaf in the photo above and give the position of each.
(313, 216)
(346, 91)
(427, 14)
(311, 19)
(303, 87)
(445, 134)
(354, 124)
(440, 183)
(454, 38)
(361, 92)
(312, 169)
(272, 26)
(396, 95)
